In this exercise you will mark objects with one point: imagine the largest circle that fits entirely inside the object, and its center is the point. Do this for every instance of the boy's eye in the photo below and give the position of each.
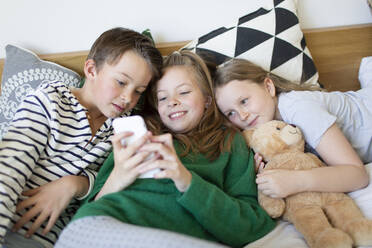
(185, 92)
(121, 83)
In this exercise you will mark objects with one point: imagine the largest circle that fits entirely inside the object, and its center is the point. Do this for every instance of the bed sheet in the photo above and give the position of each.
(285, 234)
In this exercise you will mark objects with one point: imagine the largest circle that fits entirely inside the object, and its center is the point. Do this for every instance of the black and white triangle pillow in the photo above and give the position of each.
(270, 37)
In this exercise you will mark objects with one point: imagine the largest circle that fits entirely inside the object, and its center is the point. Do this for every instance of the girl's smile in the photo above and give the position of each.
(181, 103)
(247, 104)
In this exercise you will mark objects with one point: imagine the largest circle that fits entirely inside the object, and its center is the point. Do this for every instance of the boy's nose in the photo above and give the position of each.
(126, 97)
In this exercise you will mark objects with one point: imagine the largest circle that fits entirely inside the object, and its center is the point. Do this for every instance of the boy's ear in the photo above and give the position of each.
(208, 101)
(269, 86)
(90, 68)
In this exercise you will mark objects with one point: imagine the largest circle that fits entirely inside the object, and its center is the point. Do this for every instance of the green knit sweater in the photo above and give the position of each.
(220, 204)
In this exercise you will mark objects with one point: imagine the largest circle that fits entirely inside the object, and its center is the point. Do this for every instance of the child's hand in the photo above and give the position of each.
(47, 202)
(171, 166)
(258, 161)
(127, 161)
(278, 183)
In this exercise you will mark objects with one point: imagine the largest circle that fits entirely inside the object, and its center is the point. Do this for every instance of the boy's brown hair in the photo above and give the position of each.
(210, 137)
(113, 43)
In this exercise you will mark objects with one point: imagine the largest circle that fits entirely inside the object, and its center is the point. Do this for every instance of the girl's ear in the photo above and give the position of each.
(208, 101)
(269, 86)
(90, 69)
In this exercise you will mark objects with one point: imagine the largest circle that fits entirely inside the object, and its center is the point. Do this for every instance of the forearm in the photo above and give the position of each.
(79, 185)
(107, 188)
(111, 185)
(340, 178)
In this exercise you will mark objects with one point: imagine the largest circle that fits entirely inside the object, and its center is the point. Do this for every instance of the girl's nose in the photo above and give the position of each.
(173, 102)
(243, 115)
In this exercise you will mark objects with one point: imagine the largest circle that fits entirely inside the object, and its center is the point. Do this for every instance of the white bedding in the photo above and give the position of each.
(286, 236)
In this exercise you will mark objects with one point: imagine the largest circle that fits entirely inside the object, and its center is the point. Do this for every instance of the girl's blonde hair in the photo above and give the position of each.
(241, 69)
(209, 137)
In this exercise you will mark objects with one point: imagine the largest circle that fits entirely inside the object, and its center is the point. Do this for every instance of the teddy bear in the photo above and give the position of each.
(325, 219)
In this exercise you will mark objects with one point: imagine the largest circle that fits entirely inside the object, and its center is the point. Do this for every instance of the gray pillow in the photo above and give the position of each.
(23, 72)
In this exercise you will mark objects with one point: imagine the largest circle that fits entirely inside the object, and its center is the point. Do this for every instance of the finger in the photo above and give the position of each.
(262, 186)
(135, 160)
(52, 220)
(149, 165)
(164, 174)
(260, 179)
(274, 196)
(116, 140)
(25, 218)
(266, 192)
(164, 138)
(135, 146)
(26, 203)
(131, 148)
(165, 151)
(257, 157)
(154, 163)
(31, 192)
(261, 167)
(266, 172)
(168, 169)
(37, 223)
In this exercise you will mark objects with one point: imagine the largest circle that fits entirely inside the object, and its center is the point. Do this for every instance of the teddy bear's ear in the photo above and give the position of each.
(248, 135)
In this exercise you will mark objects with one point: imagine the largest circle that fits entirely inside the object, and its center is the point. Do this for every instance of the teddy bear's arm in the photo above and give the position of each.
(273, 206)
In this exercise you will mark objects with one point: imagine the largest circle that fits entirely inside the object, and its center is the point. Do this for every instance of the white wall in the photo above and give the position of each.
(50, 26)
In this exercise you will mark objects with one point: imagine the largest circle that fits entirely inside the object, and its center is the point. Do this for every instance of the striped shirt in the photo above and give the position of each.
(49, 138)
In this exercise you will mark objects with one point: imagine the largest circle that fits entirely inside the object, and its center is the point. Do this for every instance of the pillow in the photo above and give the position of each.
(270, 37)
(23, 72)
(365, 72)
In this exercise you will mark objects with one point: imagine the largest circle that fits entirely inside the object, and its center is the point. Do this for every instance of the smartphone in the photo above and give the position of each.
(137, 126)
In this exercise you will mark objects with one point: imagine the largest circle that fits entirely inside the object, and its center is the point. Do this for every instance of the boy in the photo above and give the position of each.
(60, 137)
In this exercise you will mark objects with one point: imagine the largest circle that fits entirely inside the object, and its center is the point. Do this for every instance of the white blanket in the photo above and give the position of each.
(285, 234)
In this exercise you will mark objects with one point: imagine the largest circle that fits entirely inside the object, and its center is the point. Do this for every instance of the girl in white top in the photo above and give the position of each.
(336, 124)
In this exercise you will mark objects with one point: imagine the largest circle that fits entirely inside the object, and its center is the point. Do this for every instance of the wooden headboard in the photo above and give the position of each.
(337, 53)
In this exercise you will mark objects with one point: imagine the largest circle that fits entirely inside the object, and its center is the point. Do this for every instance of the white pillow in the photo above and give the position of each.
(365, 72)
(270, 37)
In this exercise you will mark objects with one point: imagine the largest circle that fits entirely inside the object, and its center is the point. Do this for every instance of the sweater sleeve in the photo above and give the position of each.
(232, 213)
(19, 152)
(101, 178)
(91, 174)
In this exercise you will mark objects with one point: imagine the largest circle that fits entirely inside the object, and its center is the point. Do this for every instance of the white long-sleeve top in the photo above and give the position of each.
(49, 138)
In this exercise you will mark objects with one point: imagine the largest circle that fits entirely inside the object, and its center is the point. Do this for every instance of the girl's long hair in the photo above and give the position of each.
(241, 69)
(210, 136)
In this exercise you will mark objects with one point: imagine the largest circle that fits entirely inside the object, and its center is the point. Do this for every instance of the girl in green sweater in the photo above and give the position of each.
(205, 188)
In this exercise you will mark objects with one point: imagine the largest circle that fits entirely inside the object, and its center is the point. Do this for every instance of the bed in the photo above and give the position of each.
(337, 54)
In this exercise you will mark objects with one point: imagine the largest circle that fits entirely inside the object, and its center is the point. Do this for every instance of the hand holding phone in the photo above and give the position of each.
(137, 126)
